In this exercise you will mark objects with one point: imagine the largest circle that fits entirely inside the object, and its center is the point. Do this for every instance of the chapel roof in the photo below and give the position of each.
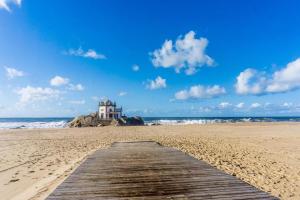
(107, 103)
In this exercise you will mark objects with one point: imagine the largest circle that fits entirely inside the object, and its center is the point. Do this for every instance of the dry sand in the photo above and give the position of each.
(266, 155)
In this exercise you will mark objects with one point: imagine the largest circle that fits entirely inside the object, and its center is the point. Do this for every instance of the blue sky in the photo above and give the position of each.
(155, 58)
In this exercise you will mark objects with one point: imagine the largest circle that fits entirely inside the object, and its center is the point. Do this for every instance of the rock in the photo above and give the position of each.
(128, 121)
(155, 124)
(136, 121)
(88, 120)
(92, 120)
(114, 122)
(76, 122)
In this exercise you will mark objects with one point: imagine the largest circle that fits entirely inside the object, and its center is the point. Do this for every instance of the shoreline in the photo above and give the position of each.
(42, 123)
(264, 154)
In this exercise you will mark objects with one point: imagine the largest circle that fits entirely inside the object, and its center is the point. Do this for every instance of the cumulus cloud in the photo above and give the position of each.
(187, 53)
(250, 82)
(255, 105)
(254, 82)
(122, 94)
(12, 73)
(76, 87)
(224, 105)
(240, 105)
(200, 92)
(30, 94)
(4, 4)
(287, 104)
(77, 102)
(286, 79)
(158, 83)
(86, 54)
(59, 81)
(135, 68)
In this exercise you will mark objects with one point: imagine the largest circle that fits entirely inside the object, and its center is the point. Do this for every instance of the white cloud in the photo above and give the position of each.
(250, 82)
(182, 95)
(77, 87)
(122, 94)
(86, 54)
(30, 94)
(253, 82)
(186, 53)
(77, 102)
(158, 83)
(135, 68)
(59, 81)
(286, 79)
(240, 105)
(13, 73)
(4, 4)
(287, 104)
(200, 92)
(224, 105)
(255, 105)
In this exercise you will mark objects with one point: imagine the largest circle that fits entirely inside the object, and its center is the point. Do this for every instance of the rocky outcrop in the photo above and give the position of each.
(155, 124)
(129, 121)
(92, 120)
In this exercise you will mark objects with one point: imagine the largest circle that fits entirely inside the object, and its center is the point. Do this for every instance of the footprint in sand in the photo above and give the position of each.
(14, 180)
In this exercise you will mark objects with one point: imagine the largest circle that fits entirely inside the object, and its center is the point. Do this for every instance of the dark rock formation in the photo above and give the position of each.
(128, 121)
(92, 120)
(155, 124)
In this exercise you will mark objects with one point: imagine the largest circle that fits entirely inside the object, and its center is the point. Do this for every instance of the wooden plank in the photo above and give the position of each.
(147, 170)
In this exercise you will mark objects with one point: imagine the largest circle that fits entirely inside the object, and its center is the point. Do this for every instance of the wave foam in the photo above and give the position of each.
(32, 125)
(185, 121)
(217, 120)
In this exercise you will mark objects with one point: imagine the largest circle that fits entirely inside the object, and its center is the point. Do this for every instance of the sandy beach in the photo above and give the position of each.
(266, 155)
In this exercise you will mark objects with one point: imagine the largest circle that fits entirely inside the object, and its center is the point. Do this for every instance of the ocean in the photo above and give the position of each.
(34, 123)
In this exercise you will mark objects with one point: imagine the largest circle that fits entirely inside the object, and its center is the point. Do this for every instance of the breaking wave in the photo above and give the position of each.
(32, 123)
(188, 121)
(42, 123)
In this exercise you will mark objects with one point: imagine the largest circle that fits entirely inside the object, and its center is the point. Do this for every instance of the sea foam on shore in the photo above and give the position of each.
(213, 120)
(41, 123)
(33, 123)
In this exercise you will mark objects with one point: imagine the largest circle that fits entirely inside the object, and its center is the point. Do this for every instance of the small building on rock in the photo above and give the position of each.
(108, 110)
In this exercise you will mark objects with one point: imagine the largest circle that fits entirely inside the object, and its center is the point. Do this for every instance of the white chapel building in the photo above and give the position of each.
(108, 110)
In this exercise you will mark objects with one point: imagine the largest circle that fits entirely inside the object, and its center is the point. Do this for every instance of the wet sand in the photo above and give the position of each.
(266, 155)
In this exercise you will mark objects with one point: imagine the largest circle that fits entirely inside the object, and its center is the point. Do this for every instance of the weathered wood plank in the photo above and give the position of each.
(146, 170)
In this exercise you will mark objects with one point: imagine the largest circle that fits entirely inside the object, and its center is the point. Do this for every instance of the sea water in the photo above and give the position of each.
(211, 120)
(33, 123)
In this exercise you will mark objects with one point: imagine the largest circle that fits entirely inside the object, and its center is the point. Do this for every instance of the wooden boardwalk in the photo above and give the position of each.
(146, 170)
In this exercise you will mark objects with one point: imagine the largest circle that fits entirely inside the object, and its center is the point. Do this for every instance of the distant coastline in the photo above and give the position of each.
(61, 122)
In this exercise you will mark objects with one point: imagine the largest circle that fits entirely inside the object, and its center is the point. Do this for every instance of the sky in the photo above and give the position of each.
(154, 58)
